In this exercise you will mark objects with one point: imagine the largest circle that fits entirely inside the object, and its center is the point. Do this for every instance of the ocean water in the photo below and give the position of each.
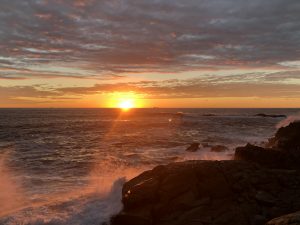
(67, 166)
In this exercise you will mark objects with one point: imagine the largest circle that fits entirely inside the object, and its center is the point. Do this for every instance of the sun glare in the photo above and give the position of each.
(126, 104)
(125, 101)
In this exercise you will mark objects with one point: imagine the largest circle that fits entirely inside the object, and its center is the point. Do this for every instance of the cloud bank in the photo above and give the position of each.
(103, 38)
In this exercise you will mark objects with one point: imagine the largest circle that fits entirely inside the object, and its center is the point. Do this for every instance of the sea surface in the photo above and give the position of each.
(67, 166)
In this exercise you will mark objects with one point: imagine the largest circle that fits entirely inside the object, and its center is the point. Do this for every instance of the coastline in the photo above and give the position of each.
(247, 190)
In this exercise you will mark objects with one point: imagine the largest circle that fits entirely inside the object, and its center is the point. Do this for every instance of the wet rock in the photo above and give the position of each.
(193, 147)
(218, 148)
(290, 219)
(209, 192)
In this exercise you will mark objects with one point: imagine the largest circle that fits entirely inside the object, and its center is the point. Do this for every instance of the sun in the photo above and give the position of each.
(126, 104)
(124, 100)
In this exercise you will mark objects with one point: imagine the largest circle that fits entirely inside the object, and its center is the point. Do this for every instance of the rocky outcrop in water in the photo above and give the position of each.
(270, 115)
(283, 150)
(264, 183)
(209, 192)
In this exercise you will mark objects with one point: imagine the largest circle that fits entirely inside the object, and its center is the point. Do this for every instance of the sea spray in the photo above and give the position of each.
(93, 203)
(91, 209)
(11, 195)
(288, 120)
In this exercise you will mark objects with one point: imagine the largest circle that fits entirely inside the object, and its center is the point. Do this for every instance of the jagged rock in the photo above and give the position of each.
(193, 147)
(283, 151)
(290, 219)
(287, 138)
(209, 192)
(218, 148)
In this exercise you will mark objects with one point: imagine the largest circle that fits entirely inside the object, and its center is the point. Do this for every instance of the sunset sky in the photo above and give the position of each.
(160, 53)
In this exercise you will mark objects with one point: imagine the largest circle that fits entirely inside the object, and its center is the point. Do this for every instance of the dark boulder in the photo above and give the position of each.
(287, 138)
(265, 156)
(209, 192)
(193, 147)
(283, 151)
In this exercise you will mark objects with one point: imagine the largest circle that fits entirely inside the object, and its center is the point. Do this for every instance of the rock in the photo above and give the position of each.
(130, 219)
(218, 148)
(209, 192)
(283, 150)
(287, 138)
(261, 184)
(259, 219)
(290, 219)
(265, 198)
(193, 147)
(270, 115)
(265, 157)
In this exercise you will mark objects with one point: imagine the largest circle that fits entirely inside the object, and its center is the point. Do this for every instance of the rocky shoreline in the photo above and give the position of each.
(260, 184)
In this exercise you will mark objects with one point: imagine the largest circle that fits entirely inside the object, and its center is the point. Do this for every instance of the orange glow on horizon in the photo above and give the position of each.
(126, 104)
(124, 101)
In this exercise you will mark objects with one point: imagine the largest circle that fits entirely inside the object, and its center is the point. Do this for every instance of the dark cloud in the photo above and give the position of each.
(104, 38)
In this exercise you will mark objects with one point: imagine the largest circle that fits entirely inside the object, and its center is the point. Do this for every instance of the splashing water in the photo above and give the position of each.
(92, 209)
(288, 120)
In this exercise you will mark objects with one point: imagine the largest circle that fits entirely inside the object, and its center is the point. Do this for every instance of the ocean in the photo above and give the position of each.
(67, 166)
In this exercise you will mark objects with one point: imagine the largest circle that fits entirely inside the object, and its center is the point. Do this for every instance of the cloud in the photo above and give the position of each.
(105, 38)
(263, 86)
(293, 64)
(260, 85)
(26, 91)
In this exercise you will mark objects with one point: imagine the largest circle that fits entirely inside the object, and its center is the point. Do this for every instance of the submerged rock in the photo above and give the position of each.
(193, 147)
(209, 192)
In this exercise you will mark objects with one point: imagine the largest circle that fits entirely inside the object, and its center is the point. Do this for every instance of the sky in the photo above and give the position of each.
(157, 53)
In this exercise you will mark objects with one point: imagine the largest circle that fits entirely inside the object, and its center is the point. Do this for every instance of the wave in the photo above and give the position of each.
(92, 209)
